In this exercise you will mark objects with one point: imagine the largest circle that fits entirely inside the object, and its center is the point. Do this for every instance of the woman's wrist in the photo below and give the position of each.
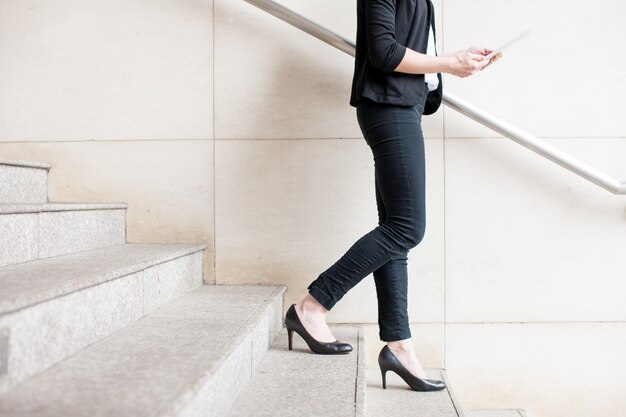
(419, 63)
(446, 62)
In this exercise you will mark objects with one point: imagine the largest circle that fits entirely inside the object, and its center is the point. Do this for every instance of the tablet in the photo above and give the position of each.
(506, 45)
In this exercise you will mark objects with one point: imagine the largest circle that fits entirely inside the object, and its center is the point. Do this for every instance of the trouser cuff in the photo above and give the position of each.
(394, 336)
(321, 296)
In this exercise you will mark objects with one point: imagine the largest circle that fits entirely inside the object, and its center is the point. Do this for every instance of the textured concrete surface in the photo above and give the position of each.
(36, 231)
(45, 333)
(22, 183)
(194, 352)
(62, 232)
(263, 335)
(34, 282)
(226, 381)
(18, 238)
(301, 383)
(495, 413)
(400, 400)
(361, 377)
(4, 351)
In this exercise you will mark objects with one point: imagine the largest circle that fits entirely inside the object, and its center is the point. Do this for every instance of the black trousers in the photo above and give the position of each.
(395, 137)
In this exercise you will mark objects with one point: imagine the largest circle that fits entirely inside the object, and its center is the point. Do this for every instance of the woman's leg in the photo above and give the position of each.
(392, 291)
(395, 138)
(391, 281)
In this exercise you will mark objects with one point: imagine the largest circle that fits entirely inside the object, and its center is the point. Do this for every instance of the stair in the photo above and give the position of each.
(31, 231)
(299, 383)
(23, 182)
(399, 400)
(189, 358)
(94, 326)
(52, 308)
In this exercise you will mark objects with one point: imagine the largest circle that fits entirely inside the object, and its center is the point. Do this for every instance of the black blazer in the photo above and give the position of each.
(385, 28)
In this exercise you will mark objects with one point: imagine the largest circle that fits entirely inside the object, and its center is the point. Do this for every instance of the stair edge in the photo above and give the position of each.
(75, 331)
(25, 164)
(179, 407)
(361, 379)
(455, 402)
(49, 207)
(101, 278)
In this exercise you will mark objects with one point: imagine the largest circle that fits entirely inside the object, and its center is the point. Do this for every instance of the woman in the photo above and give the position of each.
(396, 71)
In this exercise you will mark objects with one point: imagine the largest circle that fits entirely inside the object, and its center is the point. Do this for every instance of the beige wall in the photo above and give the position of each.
(118, 97)
(518, 288)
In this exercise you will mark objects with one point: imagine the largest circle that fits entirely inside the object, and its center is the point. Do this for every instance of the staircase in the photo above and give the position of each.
(92, 325)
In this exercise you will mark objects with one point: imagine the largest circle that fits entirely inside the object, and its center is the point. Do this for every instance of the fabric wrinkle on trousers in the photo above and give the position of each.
(394, 135)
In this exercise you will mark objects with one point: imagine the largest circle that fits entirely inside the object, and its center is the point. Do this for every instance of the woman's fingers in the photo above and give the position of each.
(495, 58)
(476, 57)
(483, 64)
(472, 60)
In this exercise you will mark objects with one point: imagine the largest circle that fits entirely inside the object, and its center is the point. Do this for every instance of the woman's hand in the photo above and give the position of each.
(484, 51)
(471, 60)
(465, 63)
(493, 59)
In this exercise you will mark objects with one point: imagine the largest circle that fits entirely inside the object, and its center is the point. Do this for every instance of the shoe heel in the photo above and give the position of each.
(383, 372)
(290, 336)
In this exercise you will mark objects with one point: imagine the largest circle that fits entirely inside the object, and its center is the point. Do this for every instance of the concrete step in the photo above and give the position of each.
(23, 182)
(52, 308)
(37, 231)
(496, 413)
(189, 358)
(300, 383)
(400, 400)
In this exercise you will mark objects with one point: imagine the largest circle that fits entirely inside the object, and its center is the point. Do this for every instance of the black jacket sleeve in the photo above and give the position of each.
(380, 25)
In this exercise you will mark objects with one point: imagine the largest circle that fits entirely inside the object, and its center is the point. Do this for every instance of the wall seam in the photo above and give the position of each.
(303, 139)
(214, 158)
(445, 240)
(444, 109)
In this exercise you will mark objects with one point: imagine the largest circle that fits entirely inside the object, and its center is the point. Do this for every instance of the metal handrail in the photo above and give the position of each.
(486, 119)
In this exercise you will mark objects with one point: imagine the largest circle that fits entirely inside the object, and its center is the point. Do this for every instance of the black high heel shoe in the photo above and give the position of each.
(388, 362)
(293, 324)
